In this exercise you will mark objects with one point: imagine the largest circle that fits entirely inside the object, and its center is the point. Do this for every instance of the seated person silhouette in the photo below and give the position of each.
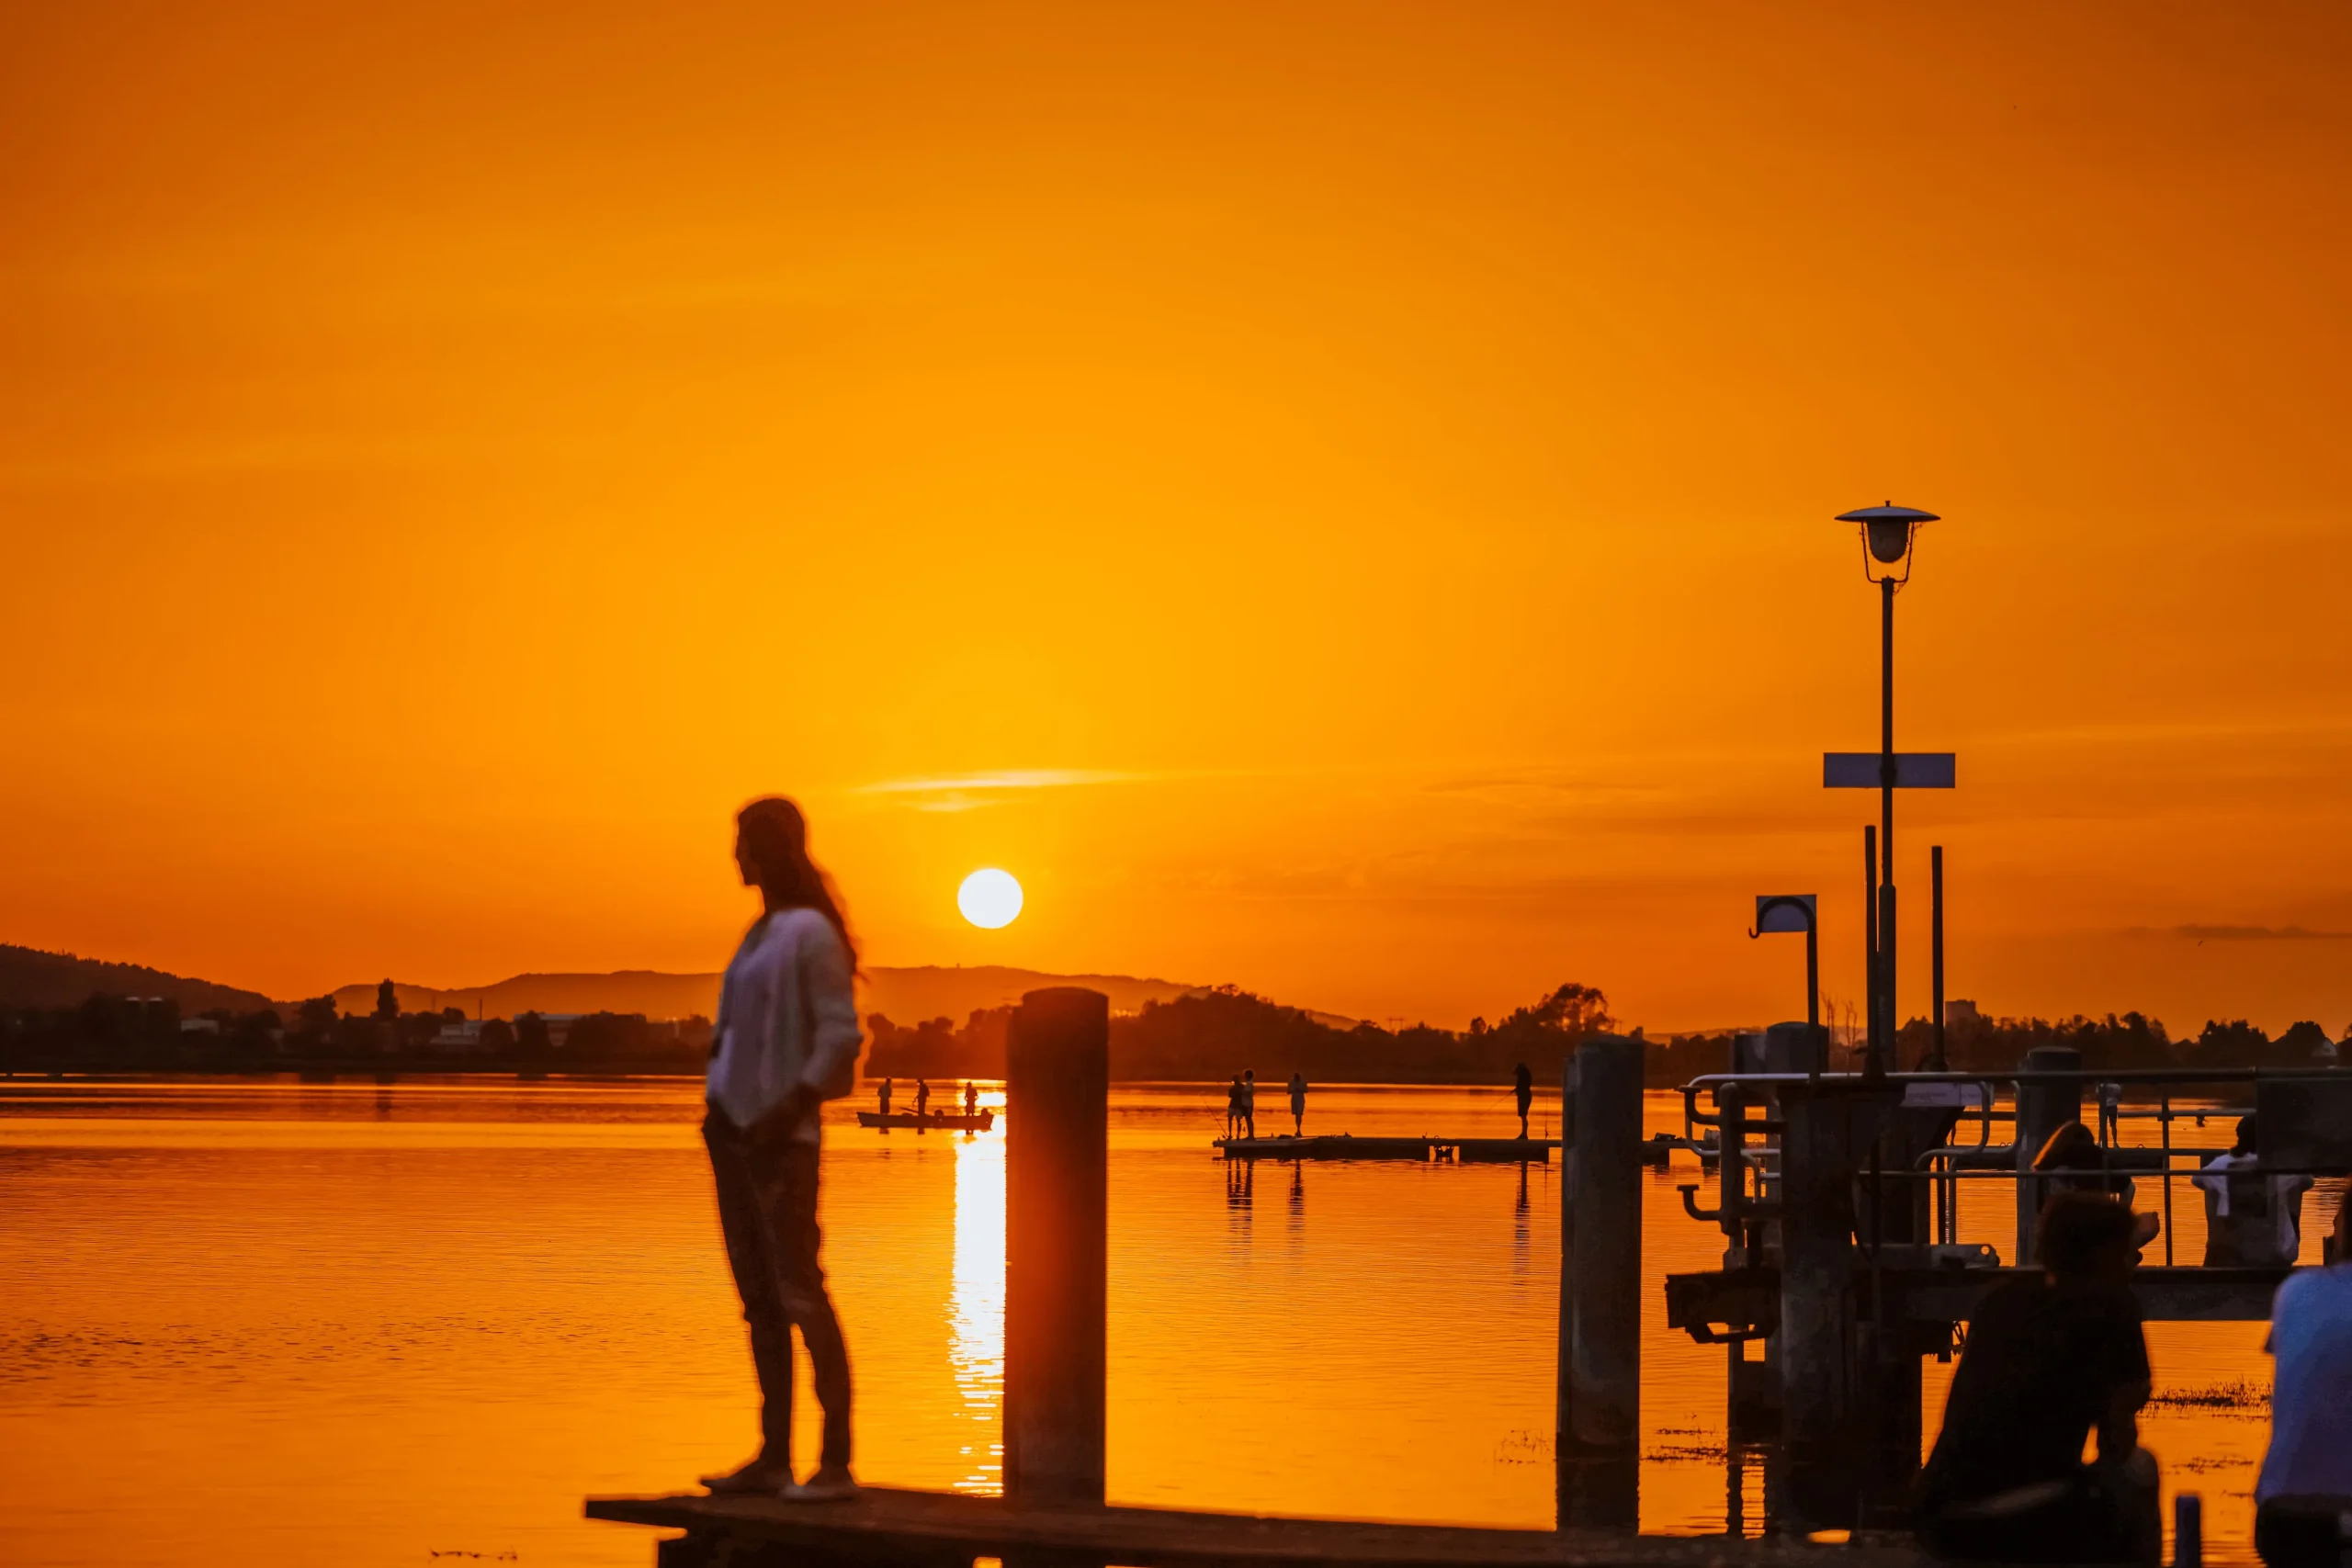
(2073, 1161)
(2049, 1360)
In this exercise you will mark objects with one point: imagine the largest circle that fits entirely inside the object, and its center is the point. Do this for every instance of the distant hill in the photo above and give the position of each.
(31, 979)
(906, 995)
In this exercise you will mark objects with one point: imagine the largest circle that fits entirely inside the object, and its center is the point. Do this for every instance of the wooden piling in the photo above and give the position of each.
(2042, 1109)
(1599, 1423)
(1057, 1078)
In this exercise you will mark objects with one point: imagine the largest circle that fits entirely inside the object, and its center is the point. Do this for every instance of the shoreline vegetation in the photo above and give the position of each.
(1205, 1036)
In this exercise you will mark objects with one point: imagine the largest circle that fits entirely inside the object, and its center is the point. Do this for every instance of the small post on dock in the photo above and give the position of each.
(2042, 1109)
(1598, 1425)
(1056, 1255)
(2187, 1530)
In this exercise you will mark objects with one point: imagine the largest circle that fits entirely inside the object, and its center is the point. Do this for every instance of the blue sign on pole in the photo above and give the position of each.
(1913, 770)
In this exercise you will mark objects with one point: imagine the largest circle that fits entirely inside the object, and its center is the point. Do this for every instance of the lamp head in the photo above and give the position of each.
(1887, 532)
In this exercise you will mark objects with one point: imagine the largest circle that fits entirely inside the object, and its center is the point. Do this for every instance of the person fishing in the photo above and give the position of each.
(922, 1098)
(971, 1098)
(1233, 1107)
(1249, 1101)
(787, 1040)
(1297, 1104)
(883, 1097)
(1522, 1089)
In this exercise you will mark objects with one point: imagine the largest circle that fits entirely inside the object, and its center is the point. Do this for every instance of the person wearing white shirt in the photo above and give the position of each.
(2251, 1219)
(2303, 1498)
(786, 1041)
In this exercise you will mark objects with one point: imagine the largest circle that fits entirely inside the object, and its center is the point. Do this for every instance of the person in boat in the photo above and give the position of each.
(2051, 1360)
(971, 1098)
(922, 1098)
(883, 1097)
(1297, 1104)
(1522, 1090)
(1249, 1101)
(2252, 1220)
(1233, 1107)
(787, 1040)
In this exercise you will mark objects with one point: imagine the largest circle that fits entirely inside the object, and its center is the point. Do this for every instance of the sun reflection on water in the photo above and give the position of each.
(976, 1307)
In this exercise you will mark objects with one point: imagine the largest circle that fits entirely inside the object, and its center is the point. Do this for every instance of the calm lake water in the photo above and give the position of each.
(266, 1323)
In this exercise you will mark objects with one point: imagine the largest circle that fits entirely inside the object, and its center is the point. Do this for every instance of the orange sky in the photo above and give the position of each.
(1352, 484)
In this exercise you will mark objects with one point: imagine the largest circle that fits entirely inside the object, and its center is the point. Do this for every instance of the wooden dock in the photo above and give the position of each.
(937, 1530)
(1342, 1145)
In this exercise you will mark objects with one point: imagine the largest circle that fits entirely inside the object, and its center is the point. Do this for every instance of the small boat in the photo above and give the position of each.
(955, 1120)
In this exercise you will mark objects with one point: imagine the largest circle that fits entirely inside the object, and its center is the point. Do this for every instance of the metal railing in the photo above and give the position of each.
(1741, 1214)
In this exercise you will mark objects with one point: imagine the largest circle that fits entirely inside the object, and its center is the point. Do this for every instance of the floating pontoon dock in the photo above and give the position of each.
(1467, 1151)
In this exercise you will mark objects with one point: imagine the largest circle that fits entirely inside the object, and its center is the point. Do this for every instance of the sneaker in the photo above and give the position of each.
(761, 1474)
(833, 1483)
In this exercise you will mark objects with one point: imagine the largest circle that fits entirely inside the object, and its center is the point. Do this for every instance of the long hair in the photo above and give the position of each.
(2071, 1147)
(774, 836)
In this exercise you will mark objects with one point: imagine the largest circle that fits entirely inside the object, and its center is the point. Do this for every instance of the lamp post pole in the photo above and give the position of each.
(1887, 535)
(1882, 1052)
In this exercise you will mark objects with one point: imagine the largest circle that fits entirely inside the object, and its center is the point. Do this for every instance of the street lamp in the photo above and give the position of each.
(1888, 533)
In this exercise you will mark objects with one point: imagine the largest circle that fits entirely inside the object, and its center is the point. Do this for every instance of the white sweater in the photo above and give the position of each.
(786, 1015)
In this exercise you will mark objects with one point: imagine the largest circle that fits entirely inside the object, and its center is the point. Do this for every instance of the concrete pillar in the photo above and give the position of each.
(1056, 1147)
(1831, 1127)
(2042, 1109)
(1598, 1425)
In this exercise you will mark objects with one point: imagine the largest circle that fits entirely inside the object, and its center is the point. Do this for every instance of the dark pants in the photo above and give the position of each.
(2106, 1514)
(2302, 1532)
(767, 1207)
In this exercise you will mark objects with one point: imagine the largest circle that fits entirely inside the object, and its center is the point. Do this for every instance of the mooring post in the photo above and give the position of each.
(1600, 1414)
(2187, 1530)
(1056, 1254)
(2042, 1109)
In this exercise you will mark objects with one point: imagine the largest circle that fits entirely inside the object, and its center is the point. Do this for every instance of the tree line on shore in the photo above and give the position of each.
(112, 1033)
(1205, 1036)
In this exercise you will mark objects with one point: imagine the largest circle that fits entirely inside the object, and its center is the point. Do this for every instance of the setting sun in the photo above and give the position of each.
(990, 898)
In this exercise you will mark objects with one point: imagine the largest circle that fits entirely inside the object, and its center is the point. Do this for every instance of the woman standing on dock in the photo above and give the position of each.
(786, 1041)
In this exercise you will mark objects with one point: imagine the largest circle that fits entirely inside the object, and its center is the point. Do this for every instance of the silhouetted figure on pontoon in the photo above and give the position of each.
(971, 1100)
(2252, 1220)
(1249, 1101)
(1233, 1107)
(787, 1040)
(2049, 1360)
(1297, 1105)
(2303, 1499)
(882, 1097)
(1522, 1089)
(923, 1098)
